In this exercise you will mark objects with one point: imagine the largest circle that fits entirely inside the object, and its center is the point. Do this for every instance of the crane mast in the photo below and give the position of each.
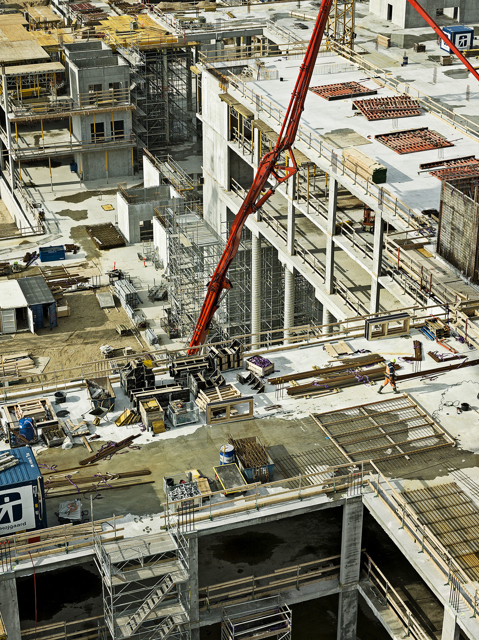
(270, 166)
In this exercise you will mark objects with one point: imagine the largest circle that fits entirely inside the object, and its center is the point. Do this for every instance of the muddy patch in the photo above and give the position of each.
(80, 236)
(250, 548)
(78, 215)
(75, 198)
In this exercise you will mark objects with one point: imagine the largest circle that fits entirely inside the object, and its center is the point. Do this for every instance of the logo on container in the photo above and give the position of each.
(11, 509)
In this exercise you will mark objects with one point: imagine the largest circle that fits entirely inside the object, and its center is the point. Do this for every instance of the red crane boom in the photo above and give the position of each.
(269, 166)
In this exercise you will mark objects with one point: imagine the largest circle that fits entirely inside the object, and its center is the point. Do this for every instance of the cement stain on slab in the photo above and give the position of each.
(462, 74)
(342, 138)
(80, 214)
(80, 236)
(81, 196)
(251, 547)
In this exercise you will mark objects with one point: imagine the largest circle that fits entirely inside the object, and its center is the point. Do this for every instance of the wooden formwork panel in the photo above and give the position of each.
(455, 524)
(465, 536)
(426, 493)
(445, 502)
(448, 513)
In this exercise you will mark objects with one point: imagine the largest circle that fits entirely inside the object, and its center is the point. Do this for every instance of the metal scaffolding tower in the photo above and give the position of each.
(162, 91)
(269, 618)
(145, 586)
(340, 24)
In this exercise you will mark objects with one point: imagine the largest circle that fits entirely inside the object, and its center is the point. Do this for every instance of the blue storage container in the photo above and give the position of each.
(22, 494)
(50, 254)
(461, 36)
(73, 167)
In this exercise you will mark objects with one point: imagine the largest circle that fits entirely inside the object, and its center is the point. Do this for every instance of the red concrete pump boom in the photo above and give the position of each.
(269, 166)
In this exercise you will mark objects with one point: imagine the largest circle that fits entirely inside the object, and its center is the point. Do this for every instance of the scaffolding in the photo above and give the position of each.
(270, 618)
(145, 585)
(162, 92)
(340, 26)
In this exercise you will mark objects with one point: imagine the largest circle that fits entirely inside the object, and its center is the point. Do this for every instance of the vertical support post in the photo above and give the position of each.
(291, 222)
(256, 146)
(331, 231)
(450, 628)
(8, 129)
(350, 568)
(9, 600)
(288, 302)
(377, 260)
(194, 585)
(166, 95)
(255, 288)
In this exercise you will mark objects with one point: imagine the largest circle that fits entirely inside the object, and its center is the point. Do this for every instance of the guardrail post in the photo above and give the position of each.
(402, 518)
(297, 578)
(299, 490)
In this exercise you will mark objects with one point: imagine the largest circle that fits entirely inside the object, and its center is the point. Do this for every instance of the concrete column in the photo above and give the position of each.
(377, 260)
(351, 536)
(331, 231)
(9, 132)
(256, 145)
(288, 302)
(328, 318)
(291, 223)
(255, 288)
(194, 585)
(9, 606)
(450, 628)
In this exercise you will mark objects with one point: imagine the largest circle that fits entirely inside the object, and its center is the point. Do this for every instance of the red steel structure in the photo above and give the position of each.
(270, 166)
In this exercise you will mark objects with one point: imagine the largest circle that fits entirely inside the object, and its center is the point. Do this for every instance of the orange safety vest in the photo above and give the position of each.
(390, 371)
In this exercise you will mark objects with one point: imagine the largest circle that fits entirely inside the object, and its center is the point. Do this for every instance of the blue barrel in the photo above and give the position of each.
(227, 454)
(25, 429)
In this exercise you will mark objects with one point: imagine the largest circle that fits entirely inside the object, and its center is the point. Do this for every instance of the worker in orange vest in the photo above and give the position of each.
(390, 377)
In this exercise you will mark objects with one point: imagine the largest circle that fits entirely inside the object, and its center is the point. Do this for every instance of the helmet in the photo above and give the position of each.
(393, 360)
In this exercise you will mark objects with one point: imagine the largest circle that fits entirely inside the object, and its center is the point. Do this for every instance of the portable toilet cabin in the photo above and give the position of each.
(461, 36)
(22, 493)
(42, 307)
(13, 307)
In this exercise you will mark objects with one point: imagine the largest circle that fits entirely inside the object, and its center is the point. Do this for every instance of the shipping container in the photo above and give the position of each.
(22, 494)
(50, 254)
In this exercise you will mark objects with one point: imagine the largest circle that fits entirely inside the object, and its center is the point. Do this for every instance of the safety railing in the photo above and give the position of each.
(253, 587)
(48, 149)
(393, 600)
(425, 539)
(84, 629)
(382, 199)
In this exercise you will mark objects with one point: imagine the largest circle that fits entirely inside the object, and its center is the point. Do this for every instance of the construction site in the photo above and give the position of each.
(209, 211)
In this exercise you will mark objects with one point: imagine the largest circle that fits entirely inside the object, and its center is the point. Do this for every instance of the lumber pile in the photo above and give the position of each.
(338, 349)
(362, 361)
(417, 353)
(383, 41)
(56, 487)
(226, 392)
(15, 365)
(364, 166)
(60, 279)
(345, 378)
(250, 451)
(109, 450)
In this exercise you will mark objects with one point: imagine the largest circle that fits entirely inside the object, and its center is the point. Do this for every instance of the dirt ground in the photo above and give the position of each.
(77, 338)
(7, 223)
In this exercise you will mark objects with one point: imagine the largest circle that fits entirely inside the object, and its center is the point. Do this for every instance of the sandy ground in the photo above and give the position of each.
(7, 223)
(77, 337)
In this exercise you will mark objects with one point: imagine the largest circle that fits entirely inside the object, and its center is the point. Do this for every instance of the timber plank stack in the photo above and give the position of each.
(364, 166)
(346, 378)
(227, 392)
(60, 279)
(15, 365)
(350, 363)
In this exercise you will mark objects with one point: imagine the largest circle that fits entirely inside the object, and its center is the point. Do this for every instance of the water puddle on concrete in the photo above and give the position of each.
(80, 214)
(81, 196)
(250, 548)
(55, 590)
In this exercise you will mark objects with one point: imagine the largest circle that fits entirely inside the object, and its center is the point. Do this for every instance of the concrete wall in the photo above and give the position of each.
(151, 175)
(407, 17)
(101, 70)
(160, 241)
(215, 154)
(131, 214)
(20, 217)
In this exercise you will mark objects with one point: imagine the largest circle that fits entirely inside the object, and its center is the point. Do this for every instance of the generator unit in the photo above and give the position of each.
(461, 36)
(22, 494)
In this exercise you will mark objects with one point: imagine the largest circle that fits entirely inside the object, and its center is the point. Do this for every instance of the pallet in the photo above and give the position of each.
(217, 394)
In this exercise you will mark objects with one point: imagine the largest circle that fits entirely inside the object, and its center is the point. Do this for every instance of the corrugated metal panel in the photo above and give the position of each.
(36, 290)
(26, 471)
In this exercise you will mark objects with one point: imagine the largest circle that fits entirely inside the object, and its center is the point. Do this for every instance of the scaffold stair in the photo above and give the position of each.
(154, 599)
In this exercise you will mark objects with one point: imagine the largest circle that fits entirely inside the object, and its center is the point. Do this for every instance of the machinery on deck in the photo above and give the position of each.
(270, 166)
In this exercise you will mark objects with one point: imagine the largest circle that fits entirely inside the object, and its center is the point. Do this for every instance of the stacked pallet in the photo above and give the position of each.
(15, 365)
(227, 392)
(364, 166)
(438, 329)
(30, 409)
(152, 415)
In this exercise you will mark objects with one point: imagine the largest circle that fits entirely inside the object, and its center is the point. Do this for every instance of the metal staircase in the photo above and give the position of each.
(145, 586)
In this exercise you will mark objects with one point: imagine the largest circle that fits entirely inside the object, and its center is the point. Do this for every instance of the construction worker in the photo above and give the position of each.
(390, 377)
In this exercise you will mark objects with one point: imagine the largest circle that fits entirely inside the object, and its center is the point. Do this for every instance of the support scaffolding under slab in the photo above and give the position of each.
(263, 618)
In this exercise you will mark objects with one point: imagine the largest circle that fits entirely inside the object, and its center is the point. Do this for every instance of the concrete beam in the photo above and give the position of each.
(450, 628)
(377, 262)
(350, 568)
(9, 606)
(348, 614)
